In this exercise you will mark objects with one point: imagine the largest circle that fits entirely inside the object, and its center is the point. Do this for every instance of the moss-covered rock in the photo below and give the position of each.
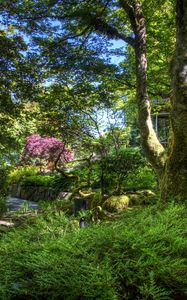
(119, 203)
(116, 203)
(142, 197)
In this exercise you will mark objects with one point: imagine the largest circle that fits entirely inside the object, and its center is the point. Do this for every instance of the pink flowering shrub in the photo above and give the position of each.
(46, 148)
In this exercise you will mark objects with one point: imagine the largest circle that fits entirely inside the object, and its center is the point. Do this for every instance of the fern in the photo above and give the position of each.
(151, 290)
(139, 256)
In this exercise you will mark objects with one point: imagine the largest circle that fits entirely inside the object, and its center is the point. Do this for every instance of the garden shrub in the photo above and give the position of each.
(4, 173)
(20, 173)
(140, 256)
(56, 181)
(3, 204)
(56, 206)
(60, 183)
(38, 180)
(29, 176)
(122, 171)
(116, 168)
(141, 178)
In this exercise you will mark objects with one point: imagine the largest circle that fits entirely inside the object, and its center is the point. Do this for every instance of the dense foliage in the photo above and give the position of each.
(139, 256)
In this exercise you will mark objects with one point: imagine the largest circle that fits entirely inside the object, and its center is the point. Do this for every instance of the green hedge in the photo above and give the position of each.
(140, 256)
(56, 181)
(29, 176)
(38, 180)
(18, 174)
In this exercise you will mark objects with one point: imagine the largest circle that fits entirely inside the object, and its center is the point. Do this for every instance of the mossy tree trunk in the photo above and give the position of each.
(174, 183)
(172, 171)
(153, 150)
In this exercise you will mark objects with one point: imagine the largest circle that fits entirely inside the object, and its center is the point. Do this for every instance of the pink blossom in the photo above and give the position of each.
(47, 148)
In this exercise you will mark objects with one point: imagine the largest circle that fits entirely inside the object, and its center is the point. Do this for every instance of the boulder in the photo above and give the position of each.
(142, 197)
(116, 203)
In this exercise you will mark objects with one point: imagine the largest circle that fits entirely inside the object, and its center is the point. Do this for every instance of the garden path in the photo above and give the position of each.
(15, 204)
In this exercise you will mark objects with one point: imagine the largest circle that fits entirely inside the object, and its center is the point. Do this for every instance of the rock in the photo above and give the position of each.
(116, 203)
(142, 197)
(64, 195)
(7, 224)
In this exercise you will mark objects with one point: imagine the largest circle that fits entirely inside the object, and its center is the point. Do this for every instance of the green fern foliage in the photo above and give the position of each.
(141, 255)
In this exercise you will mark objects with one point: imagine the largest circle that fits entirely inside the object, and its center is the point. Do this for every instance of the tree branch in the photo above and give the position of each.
(101, 26)
(130, 12)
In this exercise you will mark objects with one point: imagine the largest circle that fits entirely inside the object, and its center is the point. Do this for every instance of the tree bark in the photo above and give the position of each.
(174, 183)
(153, 149)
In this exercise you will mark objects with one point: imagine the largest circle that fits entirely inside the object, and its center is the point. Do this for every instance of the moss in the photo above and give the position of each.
(119, 203)
(174, 186)
(174, 181)
(116, 203)
(143, 197)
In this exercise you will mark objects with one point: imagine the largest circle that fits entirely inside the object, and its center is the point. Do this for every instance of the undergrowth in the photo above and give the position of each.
(142, 255)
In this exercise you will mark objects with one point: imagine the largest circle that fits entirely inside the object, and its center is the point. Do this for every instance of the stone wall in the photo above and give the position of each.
(33, 193)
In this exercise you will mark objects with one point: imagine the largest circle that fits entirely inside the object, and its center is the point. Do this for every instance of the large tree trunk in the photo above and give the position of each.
(174, 183)
(153, 149)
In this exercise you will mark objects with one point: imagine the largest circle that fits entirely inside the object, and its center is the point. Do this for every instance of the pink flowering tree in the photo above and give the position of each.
(47, 150)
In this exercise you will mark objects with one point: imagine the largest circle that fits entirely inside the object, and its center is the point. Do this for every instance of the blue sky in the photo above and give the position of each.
(117, 45)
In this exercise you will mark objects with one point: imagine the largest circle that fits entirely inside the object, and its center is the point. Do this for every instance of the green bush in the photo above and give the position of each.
(116, 167)
(60, 183)
(141, 178)
(38, 180)
(4, 173)
(55, 181)
(22, 172)
(3, 205)
(29, 176)
(141, 256)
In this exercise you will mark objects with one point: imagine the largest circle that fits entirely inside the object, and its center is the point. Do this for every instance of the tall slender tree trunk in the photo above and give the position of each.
(153, 149)
(174, 183)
